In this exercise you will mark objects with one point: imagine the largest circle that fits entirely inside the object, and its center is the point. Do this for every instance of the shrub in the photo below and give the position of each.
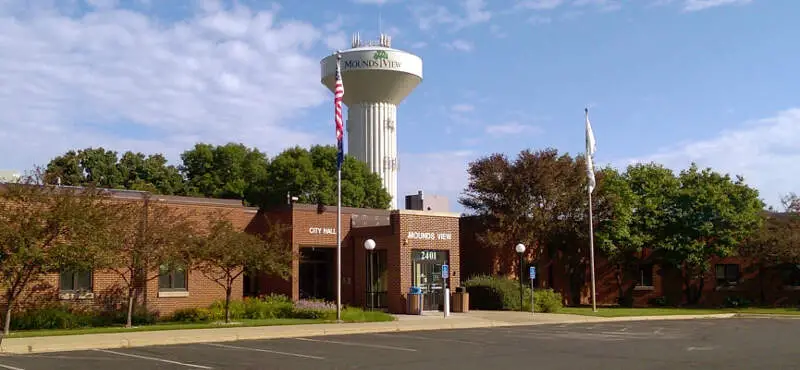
(547, 300)
(661, 301)
(194, 315)
(736, 302)
(496, 293)
(314, 309)
(51, 316)
(65, 316)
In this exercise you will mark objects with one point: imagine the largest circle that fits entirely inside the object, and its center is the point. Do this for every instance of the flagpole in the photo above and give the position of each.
(591, 254)
(591, 222)
(339, 213)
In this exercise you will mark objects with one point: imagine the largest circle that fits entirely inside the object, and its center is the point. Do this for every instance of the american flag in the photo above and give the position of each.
(338, 95)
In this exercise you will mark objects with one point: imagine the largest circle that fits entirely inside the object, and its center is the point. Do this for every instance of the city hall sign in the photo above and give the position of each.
(380, 59)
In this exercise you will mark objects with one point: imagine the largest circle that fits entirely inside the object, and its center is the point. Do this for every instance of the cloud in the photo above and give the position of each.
(511, 128)
(497, 31)
(429, 16)
(462, 108)
(765, 152)
(109, 75)
(371, 2)
(419, 45)
(103, 4)
(537, 19)
(540, 4)
(460, 45)
(695, 5)
(603, 5)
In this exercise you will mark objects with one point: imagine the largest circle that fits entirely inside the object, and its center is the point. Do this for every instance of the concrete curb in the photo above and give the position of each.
(766, 316)
(189, 336)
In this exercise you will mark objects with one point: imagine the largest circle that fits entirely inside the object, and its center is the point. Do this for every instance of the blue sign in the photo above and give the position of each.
(532, 272)
(445, 271)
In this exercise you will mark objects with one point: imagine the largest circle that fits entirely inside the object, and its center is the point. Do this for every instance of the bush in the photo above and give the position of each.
(65, 316)
(547, 300)
(737, 302)
(314, 309)
(495, 293)
(194, 315)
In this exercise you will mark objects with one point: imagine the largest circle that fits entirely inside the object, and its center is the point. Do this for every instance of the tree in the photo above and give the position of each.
(103, 168)
(45, 229)
(310, 175)
(709, 217)
(538, 199)
(148, 235)
(639, 200)
(791, 203)
(225, 253)
(777, 243)
(230, 171)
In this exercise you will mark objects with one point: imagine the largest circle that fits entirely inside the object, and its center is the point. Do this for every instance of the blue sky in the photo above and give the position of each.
(712, 81)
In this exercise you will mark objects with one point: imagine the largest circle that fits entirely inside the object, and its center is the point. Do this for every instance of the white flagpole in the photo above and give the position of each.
(590, 172)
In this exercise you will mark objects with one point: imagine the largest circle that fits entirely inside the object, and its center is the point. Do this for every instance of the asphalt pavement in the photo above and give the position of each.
(691, 344)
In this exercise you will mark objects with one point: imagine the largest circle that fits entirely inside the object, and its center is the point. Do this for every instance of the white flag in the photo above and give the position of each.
(591, 147)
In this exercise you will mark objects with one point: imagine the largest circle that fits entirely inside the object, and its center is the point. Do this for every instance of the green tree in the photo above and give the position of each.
(640, 199)
(224, 253)
(46, 229)
(538, 199)
(105, 169)
(230, 171)
(310, 175)
(709, 217)
(147, 235)
(776, 245)
(150, 173)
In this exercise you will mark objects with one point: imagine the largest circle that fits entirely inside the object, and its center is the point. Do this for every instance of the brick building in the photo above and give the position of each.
(730, 279)
(411, 247)
(163, 290)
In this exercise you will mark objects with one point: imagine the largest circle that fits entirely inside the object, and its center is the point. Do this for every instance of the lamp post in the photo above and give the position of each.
(520, 248)
(369, 245)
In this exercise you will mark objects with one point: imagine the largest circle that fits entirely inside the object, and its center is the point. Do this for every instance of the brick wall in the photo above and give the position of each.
(108, 287)
(764, 286)
(427, 222)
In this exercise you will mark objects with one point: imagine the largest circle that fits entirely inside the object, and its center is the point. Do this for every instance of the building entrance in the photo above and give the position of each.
(427, 275)
(317, 273)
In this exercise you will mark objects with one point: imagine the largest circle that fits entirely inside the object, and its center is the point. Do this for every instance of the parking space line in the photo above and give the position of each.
(10, 367)
(358, 344)
(264, 350)
(427, 338)
(152, 359)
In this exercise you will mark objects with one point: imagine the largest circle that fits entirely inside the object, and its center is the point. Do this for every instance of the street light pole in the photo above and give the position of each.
(520, 248)
(369, 245)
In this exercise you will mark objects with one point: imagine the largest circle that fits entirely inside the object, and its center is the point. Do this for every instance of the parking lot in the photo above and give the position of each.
(692, 344)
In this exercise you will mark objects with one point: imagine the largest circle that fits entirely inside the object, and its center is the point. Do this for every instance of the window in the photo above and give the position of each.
(645, 276)
(727, 274)
(377, 279)
(791, 275)
(172, 279)
(76, 281)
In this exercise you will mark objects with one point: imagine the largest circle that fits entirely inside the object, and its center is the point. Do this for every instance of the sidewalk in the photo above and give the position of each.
(433, 321)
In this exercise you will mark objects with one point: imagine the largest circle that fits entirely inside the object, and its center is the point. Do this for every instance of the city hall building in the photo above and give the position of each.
(410, 249)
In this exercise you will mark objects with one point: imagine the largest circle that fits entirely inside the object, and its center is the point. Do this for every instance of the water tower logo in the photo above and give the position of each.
(380, 55)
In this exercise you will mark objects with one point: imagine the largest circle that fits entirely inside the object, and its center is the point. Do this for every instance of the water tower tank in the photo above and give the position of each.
(376, 78)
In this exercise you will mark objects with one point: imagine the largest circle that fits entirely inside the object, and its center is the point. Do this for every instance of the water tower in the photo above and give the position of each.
(376, 79)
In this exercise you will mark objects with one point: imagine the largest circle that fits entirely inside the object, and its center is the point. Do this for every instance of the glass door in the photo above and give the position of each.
(427, 275)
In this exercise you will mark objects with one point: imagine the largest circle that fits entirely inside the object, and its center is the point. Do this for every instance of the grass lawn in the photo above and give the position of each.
(665, 311)
(347, 316)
